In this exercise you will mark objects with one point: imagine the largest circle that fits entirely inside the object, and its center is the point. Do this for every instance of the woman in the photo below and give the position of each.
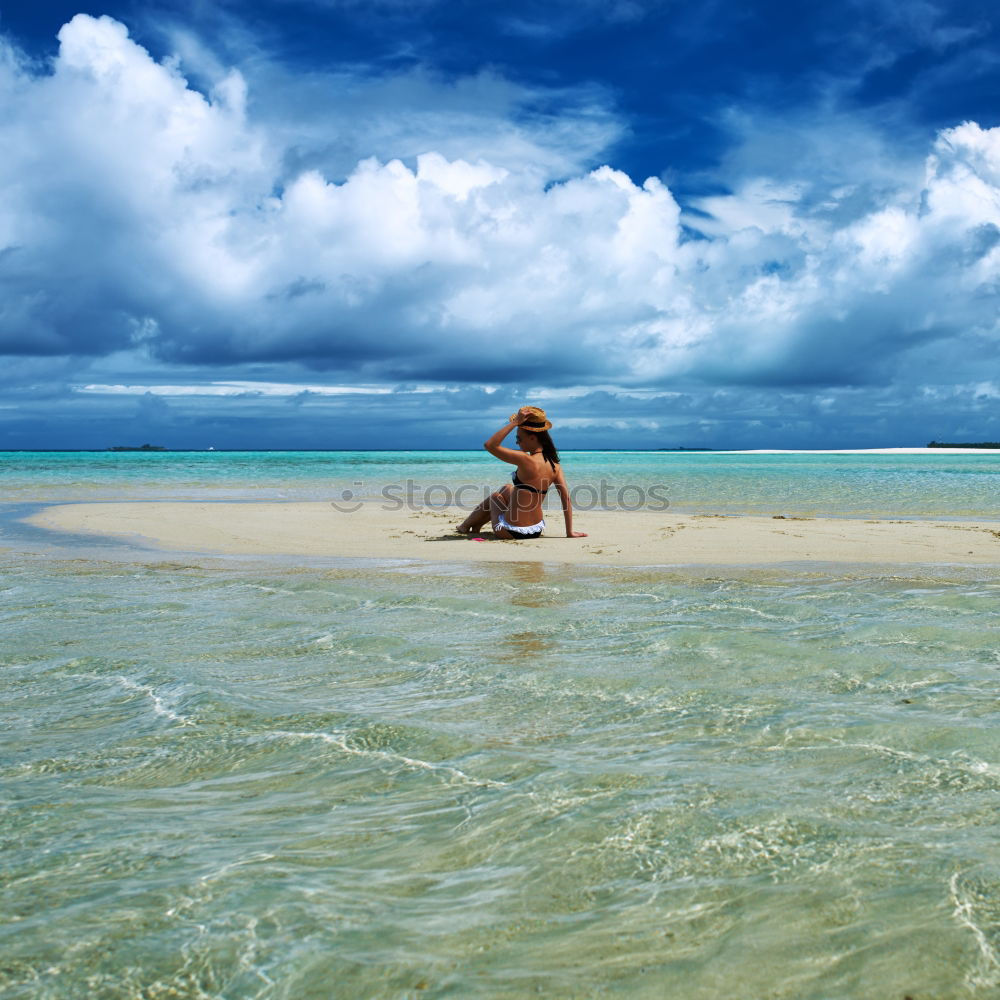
(515, 510)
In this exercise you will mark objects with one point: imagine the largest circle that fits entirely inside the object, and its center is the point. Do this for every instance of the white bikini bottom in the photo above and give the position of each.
(522, 530)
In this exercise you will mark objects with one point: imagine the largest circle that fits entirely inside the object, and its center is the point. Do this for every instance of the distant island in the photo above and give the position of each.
(685, 449)
(968, 444)
(144, 447)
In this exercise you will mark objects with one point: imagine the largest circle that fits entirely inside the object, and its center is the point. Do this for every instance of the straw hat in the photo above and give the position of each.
(534, 421)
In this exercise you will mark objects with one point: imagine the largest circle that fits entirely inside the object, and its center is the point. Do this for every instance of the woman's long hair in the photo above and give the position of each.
(549, 452)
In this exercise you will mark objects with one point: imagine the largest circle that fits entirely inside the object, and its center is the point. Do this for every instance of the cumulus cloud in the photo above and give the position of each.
(144, 215)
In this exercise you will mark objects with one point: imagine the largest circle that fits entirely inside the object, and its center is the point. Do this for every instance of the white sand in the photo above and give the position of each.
(625, 539)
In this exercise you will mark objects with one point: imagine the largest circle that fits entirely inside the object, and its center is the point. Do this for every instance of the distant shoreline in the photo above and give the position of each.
(903, 450)
(980, 445)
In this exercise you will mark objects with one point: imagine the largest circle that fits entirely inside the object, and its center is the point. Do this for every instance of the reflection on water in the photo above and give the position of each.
(531, 587)
(527, 645)
(527, 585)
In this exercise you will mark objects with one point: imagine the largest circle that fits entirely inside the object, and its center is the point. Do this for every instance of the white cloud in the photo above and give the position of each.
(237, 388)
(329, 120)
(141, 211)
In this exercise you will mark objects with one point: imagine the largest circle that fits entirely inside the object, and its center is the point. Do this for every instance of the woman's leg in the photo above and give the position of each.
(476, 519)
(481, 513)
(498, 507)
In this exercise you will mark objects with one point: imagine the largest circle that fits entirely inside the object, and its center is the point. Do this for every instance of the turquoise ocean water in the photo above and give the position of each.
(931, 484)
(264, 778)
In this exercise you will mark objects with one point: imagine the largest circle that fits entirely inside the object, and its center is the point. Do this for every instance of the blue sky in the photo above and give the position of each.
(386, 224)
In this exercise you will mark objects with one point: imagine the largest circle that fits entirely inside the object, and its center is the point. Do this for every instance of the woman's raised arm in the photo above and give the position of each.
(494, 445)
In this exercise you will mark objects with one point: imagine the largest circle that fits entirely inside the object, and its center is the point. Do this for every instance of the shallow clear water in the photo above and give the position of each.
(931, 484)
(263, 781)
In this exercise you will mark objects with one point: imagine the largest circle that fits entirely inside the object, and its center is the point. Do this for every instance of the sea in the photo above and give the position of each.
(239, 777)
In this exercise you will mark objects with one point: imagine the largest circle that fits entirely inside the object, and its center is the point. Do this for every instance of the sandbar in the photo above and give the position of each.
(635, 538)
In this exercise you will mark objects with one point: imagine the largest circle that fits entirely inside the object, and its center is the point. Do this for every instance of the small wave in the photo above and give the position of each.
(160, 707)
(967, 904)
(341, 742)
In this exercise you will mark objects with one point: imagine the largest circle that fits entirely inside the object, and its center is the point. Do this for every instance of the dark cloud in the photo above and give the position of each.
(693, 416)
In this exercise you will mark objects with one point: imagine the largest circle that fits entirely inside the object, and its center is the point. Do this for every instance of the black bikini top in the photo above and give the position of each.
(518, 485)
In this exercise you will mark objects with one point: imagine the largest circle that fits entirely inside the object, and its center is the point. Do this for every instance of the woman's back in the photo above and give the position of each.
(531, 480)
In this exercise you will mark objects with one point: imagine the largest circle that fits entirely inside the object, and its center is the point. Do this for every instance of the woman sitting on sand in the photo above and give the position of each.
(515, 510)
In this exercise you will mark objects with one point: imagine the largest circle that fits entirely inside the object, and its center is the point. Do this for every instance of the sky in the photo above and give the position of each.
(388, 223)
